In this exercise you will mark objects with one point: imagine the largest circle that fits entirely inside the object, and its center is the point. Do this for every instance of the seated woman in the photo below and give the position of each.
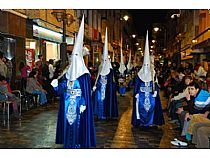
(34, 87)
(6, 95)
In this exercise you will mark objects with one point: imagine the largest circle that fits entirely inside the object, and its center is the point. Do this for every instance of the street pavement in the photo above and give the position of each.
(37, 127)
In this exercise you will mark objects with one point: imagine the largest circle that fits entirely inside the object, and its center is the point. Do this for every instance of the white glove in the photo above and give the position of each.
(54, 83)
(155, 94)
(94, 88)
(82, 108)
(137, 95)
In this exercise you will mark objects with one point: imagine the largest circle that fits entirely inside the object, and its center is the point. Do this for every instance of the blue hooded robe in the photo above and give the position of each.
(78, 130)
(149, 107)
(105, 97)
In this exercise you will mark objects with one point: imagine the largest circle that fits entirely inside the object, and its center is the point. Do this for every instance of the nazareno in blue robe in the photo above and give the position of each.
(87, 137)
(154, 114)
(106, 108)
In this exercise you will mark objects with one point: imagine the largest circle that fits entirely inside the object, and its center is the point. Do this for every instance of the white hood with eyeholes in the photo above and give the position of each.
(77, 67)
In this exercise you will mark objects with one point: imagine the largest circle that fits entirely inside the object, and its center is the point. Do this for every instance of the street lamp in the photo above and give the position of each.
(156, 29)
(126, 17)
(67, 19)
(133, 36)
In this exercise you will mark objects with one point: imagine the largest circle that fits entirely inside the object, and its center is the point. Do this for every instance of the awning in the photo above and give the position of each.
(202, 44)
(197, 51)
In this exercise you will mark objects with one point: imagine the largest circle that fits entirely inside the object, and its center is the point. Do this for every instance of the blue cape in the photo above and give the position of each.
(157, 118)
(61, 89)
(111, 107)
(110, 102)
(87, 128)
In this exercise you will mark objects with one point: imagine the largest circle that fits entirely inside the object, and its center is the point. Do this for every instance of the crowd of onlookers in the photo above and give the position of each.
(187, 89)
(36, 81)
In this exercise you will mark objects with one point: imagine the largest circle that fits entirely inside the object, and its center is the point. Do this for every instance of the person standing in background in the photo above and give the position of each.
(9, 65)
(38, 65)
(3, 67)
(23, 68)
(204, 63)
(51, 69)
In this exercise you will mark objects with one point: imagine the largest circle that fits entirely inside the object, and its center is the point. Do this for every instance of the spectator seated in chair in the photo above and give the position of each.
(6, 95)
(34, 87)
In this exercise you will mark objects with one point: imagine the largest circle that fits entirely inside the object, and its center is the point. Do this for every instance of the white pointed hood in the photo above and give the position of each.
(145, 72)
(106, 64)
(129, 65)
(122, 67)
(77, 67)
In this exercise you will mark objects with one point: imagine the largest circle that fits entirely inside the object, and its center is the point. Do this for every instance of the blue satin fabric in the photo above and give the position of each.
(87, 127)
(86, 137)
(60, 90)
(100, 103)
(72, 131)
(154, 115)
(111, 108)
(158, 114)
(108, 107)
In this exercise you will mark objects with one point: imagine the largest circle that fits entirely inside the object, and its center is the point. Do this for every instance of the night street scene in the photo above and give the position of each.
(105, 79)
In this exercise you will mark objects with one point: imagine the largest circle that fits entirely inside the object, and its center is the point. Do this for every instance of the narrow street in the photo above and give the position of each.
(170, 46)
(37, 129)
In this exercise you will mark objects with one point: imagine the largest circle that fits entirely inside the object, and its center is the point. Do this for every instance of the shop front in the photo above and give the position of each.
(46, 42)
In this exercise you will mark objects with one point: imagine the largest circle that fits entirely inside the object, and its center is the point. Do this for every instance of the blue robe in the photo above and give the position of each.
(111, 108)
(87, 127)
(73, 101)
(149, 107)
(105, 97)
(100, 96)
(61, 89)
(84, 123)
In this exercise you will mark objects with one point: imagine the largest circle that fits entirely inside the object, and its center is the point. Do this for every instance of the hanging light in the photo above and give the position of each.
(70, 19)
(59, 14)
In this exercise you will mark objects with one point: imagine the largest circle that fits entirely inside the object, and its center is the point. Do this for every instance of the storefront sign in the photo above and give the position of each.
(41, 32)
(50, 35)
